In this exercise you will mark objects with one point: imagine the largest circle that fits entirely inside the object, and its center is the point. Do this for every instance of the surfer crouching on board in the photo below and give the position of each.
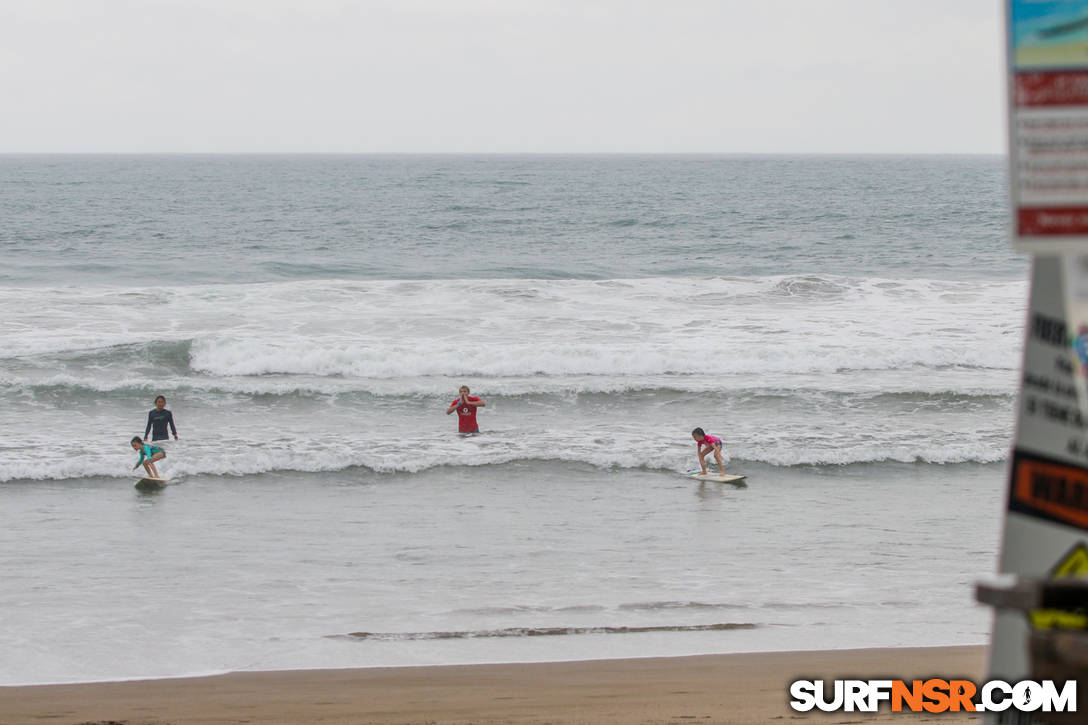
(705, 443)
(148, 456)
(466, 406)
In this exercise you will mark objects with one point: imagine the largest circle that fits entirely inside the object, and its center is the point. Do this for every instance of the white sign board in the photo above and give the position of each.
(1048, 123)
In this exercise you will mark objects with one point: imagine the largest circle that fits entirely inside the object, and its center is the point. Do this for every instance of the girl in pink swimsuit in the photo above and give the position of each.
(706, 443)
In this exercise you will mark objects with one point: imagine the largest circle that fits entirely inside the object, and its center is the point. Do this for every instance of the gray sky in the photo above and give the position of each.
(821, 76)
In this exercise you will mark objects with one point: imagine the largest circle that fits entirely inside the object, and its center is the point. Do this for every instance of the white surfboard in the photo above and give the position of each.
(151, 483)
(715, 477)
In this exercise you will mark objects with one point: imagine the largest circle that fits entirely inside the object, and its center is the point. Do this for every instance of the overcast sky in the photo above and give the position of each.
(820, 76)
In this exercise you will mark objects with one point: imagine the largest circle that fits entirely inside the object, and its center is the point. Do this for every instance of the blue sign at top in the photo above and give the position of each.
(1050, 34)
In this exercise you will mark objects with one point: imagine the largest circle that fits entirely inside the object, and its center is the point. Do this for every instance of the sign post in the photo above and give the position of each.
(1046, 521)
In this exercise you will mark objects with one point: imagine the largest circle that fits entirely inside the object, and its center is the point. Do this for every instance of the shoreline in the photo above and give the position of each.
(719, 688)
(498, 663)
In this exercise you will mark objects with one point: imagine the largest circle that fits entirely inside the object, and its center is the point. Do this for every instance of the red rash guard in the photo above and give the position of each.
(466, 415)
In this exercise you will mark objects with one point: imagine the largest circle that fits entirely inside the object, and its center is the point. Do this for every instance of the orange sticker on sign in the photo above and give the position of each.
(1054, 490)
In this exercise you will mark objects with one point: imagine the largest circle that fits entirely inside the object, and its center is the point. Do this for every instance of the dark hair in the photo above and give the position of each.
(698, 432)
(136, 439)
(160, 396)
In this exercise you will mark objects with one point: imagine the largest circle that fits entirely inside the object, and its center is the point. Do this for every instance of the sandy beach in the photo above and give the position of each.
(733, 688)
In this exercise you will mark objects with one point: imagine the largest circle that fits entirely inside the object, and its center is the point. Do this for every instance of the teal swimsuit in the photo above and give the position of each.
(146, 453)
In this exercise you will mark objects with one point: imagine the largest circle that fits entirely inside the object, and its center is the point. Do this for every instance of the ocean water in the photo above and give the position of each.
(851, 327)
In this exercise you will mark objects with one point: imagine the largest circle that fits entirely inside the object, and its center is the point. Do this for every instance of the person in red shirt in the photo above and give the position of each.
(466, 407)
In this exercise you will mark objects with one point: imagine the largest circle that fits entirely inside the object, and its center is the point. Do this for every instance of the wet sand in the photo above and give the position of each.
(732, 688)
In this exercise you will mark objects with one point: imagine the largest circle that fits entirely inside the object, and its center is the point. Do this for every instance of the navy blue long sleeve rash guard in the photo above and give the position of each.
(157, 420)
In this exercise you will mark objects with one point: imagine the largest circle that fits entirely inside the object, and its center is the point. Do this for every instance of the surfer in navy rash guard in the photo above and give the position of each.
(158, 419)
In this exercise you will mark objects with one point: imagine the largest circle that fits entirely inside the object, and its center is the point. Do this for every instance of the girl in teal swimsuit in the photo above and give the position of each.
(148, 456)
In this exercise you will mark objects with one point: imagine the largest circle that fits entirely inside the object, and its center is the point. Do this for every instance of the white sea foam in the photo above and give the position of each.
(500, 327)
(496, 359)
(233, 457)
(961, 381)
(874, 370)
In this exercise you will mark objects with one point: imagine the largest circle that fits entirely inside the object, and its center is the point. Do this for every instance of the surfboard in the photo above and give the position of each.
(715, 477)
(150, 484)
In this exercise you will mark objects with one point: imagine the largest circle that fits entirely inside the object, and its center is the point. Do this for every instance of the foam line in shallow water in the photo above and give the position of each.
(545, 631)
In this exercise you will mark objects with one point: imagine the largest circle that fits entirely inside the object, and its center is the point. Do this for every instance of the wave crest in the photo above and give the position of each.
(311, 458)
